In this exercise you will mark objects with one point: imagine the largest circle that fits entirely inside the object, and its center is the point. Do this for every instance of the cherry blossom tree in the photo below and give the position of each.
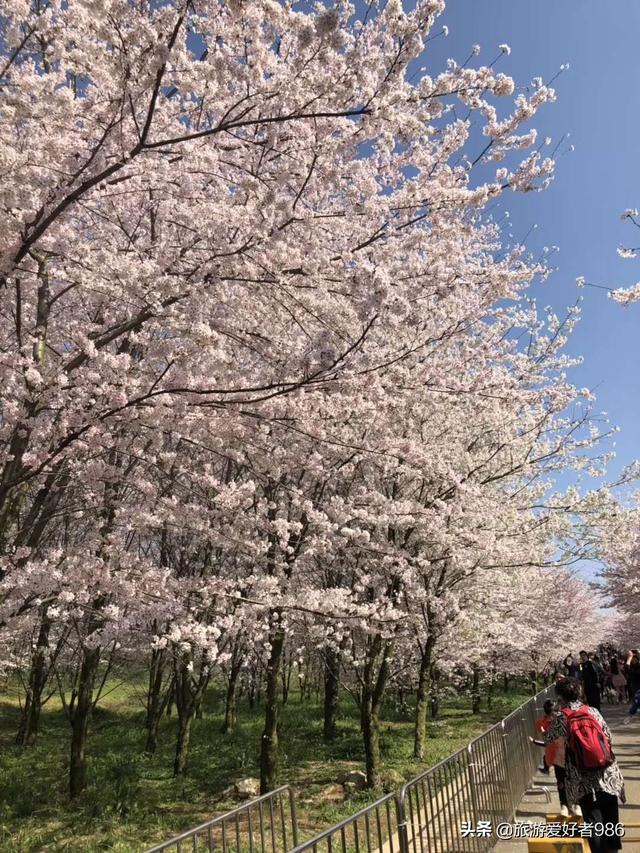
(617, 545)
(627, 295)
(261, 351)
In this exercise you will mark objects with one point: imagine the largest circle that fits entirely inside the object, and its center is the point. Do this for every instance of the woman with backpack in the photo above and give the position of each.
(593, 778)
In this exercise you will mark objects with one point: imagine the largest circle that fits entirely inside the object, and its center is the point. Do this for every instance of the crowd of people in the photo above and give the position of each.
(577, 739)
(616, 679)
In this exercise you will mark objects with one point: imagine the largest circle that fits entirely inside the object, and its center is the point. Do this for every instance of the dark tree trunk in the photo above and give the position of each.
(371, 739)
(188, 694)
(171, 699)
(269, 745)
(251, 695)
(422, 700)
(373, 687)
(286, 671)
(157, 698)
(41, 511)
(230, 706)
(331, 692)
(185, 718)
(151, 743)
(434, 678)
(475, 690)
(80, 721)
(38, 675)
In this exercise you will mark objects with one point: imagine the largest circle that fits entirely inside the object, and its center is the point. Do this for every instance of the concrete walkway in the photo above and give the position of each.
(626, 744)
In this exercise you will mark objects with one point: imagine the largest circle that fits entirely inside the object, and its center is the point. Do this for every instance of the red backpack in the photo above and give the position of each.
(590, 748)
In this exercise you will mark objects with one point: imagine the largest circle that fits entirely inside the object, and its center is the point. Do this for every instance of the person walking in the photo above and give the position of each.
(633, 672)
(633, 669)
(554, 757)
(592, 776)
(618, 681)
(542, 724)
(600, 673)
(633, 708)
(571, 668)
(590, 681)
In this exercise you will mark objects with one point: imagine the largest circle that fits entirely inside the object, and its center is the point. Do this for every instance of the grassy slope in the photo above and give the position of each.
(133, 801)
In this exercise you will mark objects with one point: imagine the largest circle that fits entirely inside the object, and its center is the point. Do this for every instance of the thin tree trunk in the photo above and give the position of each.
(38, 675)
(371, 739)
(154, 689)
(182, 743)
(269, 745)
(475, 690)
(422, 700)
(230, 704)
(331, 692)
(151, 743)
(80, 721)
(188, 695)
(157, 699)
(171, 698)
(185, 706)
(378, 655)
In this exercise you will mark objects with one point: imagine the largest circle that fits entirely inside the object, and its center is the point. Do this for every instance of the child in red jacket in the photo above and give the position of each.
(554, 757)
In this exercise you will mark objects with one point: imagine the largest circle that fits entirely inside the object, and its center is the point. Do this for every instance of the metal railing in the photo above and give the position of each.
(374, 828)
(484, 781)
(267, 824)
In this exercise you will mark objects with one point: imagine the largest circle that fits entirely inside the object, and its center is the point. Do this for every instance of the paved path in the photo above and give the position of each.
(626, 744)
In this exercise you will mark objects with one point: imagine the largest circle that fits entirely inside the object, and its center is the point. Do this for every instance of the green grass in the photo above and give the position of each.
(133, 801)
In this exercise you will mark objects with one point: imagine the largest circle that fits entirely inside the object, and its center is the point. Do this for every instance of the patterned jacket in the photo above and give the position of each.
(580, 784)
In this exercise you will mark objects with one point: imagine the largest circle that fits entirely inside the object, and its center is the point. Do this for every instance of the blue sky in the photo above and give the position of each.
(599, 105)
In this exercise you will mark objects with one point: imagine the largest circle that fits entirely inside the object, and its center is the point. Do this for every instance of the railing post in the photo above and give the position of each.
(472, 783)
(401, 821)
(525, 751)
(507, 774)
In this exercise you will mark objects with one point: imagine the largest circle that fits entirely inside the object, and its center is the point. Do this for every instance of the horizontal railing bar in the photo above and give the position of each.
(189, 833)
(308, 845)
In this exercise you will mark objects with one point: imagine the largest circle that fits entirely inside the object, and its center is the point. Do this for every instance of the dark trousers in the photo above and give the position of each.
(592, 696)
(560, 777)
(601, 808)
